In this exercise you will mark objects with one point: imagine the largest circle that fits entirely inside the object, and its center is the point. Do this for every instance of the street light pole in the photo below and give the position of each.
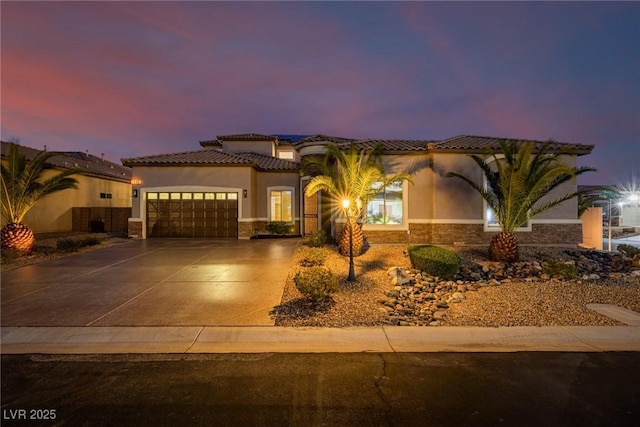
(352, 273)
(609, 224)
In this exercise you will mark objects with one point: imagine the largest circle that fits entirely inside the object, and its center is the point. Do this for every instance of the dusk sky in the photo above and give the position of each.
(130, 79)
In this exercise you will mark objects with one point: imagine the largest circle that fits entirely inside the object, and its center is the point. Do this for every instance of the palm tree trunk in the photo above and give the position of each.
(504, 248)
(17, 237)
(358, 239)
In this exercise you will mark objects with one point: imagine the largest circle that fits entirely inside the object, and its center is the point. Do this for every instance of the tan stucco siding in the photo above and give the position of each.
(455, 199)
(261, 147)
(194, 178)
(567, 210)
(53, 213)
(420, 195)
(265, 181)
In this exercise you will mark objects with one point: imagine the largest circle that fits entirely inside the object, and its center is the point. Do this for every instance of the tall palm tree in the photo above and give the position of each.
(23, 186)
(517, 185)
(350, 175)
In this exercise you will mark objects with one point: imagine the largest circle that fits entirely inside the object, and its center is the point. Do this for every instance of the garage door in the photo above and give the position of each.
(172, 214)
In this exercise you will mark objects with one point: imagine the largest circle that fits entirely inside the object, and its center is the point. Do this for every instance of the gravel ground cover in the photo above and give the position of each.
(45, 248)
(506, 302)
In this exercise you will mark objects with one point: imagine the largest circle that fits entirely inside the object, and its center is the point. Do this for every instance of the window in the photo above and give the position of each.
(288, 155)
(386, 207)
(281, 205)
(490, 218)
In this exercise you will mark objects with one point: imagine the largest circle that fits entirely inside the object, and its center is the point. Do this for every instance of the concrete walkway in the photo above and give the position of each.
(214, 296)
(193, 339)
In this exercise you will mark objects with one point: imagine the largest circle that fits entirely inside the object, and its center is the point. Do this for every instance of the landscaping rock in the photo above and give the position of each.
(421, 299)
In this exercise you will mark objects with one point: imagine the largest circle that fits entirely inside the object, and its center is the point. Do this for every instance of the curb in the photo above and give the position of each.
(267, 339)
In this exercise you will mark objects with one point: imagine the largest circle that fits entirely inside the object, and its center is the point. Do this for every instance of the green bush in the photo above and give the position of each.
(560, 269)
(628, 250)
(317, 283)
(9, 255)
(434, 260)
(67, 245)
(278, 227)
(89, 241)
(314, 257)
(317, 239)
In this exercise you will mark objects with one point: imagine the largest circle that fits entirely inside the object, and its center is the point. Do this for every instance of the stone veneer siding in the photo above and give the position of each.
(135, 228)
(472, 234)
(246, 230)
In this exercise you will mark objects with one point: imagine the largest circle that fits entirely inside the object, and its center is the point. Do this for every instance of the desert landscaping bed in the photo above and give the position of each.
(482, 294)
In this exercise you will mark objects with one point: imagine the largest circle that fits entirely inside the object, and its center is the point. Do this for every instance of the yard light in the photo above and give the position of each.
(347, 212)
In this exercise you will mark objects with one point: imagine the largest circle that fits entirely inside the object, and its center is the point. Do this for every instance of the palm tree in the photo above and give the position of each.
(350, 175)
(23, 186)
(516, 186)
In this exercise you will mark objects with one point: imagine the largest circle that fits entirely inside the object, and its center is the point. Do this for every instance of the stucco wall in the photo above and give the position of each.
(53, 213)
(196, 178)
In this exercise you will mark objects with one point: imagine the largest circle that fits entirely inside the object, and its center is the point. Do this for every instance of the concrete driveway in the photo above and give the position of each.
(157, 282)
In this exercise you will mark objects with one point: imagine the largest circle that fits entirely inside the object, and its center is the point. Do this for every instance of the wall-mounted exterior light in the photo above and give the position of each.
(244, 194)
(136, 181)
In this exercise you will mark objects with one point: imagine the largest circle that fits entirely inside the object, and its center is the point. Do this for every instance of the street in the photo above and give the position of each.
(351, 389)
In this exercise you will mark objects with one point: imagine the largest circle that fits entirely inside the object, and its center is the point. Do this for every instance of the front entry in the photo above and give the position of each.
(177, 214)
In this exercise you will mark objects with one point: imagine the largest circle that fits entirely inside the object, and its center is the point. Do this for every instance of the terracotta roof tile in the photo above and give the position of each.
(247, 137)
(214, 158)
(391, 144)
(272, 163)
(320, 138)
(477, 143)
(199, 157)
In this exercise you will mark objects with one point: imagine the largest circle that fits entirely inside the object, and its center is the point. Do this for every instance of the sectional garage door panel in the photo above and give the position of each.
(212, 215)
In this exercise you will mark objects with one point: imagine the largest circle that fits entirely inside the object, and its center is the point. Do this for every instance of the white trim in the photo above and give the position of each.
(293, 199)
(252, 219)
(444, 221)
(555, 221)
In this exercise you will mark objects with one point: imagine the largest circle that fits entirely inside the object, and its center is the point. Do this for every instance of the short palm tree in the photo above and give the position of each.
(517, 185)
(354, 176)
(23, 186)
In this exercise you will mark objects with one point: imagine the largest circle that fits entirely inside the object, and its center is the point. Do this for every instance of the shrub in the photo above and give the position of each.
(278, 227)
(628, 250)
(89, 241)
(434, 260)
(314, 257)
(317, 283)
(9, 255)
(317, 239)
(67, 245)
(560, 269)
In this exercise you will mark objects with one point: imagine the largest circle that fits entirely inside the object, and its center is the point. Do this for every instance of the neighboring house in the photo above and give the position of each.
(621, 203)
(102, 201)
(237, 183)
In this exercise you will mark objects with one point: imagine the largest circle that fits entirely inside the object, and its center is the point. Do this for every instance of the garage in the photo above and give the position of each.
(199, 214)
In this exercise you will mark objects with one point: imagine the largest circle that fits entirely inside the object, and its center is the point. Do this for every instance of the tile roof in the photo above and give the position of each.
(320, 138)
(214, 158)
(477, 143)
(211, 143)
(391, 144)
(272, 163)
(198, 157)
(92, 165)
(247, 137)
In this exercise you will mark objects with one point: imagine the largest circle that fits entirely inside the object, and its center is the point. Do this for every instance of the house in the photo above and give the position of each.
(102, 201)
(620, 202)
(236, 184)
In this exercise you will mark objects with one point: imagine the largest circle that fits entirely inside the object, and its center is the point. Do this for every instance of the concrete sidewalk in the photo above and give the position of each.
(207, 339)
